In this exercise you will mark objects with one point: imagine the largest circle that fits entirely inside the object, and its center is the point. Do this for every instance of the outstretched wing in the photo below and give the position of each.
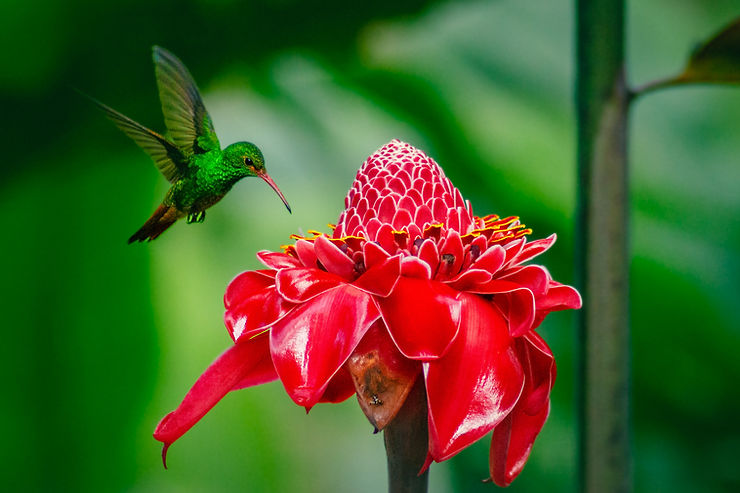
(187, 120)
(168, 158)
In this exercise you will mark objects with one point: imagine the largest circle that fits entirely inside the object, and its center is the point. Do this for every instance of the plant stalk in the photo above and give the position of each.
(602, 102)
(407, 442)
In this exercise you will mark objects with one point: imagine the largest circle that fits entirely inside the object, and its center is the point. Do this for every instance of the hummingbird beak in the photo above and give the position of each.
(272, 184)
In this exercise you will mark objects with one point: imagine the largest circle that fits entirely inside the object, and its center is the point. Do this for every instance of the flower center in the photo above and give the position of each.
(436, 239)
(402, 202)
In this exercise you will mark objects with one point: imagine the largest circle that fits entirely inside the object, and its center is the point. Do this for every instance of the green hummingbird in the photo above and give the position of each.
(190, 157)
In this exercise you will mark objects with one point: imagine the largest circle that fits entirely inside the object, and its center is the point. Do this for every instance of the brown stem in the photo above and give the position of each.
(407, 442)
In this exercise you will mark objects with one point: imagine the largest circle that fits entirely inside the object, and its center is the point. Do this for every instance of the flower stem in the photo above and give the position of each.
(407, 442)
(654, 85)
(602, 100)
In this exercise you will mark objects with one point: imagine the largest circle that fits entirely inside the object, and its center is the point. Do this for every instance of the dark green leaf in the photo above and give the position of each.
(717, 59)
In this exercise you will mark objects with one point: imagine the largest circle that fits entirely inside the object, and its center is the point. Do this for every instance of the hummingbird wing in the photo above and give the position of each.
(168, 158)
(185, 115)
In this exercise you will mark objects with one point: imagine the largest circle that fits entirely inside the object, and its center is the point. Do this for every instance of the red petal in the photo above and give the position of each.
(539, 369)
(276, 260)
(340, 388)
(397, 185)
(414, 232)
(534, 248)
(332, 258)
(480, 243)
(453, 215)
(519, 308)
(372, 225)
(423, 216)
(415, 195)
(513, 438)
(427, 462)
(350, 222)
(559, 297)
(262, 372)
(513, 249)
(429, 254)
(439, 208)
(422, 317)
(492, 259)
(494, 286)
(469, 279)
(415, 267)
(407, 204)
(300, 285)
(384, 236)
(451, 249)
(239, 363)
(373, 254)
(476, 384)
(245, 285)
(401, 219)
(512, 442)
(516, 302)
(386, 209)
(380, 279)
(255, 313)
(306, 253)
(310, 345)
(532, 277)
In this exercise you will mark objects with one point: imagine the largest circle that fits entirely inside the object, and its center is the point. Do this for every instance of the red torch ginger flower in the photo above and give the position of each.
(410, 285)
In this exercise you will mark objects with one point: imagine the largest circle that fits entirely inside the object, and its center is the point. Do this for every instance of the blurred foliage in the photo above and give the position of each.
(102, 339)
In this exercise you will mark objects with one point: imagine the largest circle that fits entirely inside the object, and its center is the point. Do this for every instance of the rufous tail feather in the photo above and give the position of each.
(164, 217)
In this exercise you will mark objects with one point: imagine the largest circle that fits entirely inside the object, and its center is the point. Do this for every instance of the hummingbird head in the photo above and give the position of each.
(245, 159)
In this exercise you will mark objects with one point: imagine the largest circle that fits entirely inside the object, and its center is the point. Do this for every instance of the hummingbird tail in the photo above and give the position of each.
(164, 217)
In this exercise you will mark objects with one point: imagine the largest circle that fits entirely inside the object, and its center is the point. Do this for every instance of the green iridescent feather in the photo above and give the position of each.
(188, 123)
(190, 156)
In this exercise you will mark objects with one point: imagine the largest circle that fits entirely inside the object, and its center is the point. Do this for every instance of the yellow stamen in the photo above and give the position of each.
(260, 333)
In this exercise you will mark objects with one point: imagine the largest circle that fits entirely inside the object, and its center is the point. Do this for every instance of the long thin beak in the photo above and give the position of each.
(272, 184)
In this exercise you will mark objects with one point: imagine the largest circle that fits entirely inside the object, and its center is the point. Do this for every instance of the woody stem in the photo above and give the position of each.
(407, 442)
(602, 98)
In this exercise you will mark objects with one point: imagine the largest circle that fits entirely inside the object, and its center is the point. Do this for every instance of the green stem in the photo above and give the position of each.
(602, 101)
(407, 442)
(654, 85)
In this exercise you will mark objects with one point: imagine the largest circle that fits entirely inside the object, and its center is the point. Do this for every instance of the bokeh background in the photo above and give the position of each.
(101, 338)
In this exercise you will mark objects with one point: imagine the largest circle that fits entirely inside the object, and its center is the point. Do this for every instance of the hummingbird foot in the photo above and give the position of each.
(196, 217)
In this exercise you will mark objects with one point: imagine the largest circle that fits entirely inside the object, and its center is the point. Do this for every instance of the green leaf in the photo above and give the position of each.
(717, 59)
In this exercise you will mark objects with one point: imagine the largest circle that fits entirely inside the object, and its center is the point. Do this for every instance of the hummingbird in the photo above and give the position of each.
(189, 155)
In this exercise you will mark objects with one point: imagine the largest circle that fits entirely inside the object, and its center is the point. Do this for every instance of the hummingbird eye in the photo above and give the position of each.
(248, 161)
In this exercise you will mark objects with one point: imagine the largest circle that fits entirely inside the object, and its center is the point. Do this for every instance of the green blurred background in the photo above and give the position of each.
(101, 338)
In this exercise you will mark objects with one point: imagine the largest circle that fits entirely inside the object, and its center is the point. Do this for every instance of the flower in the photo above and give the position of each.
(410, 285)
